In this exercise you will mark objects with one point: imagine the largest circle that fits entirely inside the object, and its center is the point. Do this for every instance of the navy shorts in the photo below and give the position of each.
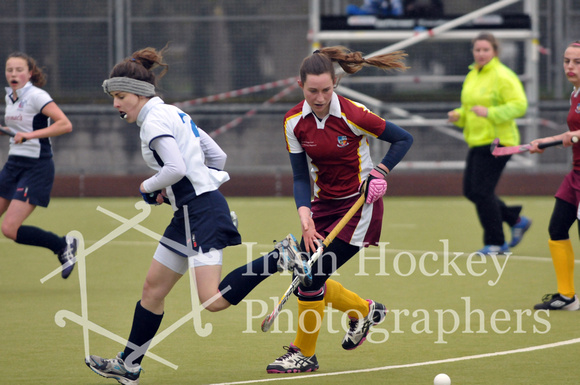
(27, 179)
(210, 224)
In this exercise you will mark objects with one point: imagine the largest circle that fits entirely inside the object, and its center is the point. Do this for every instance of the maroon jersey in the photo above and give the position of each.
(337, 145)
(573, 121)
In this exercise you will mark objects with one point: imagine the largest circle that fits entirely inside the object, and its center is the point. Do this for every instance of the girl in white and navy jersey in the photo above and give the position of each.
(189, 167)
(27, 177)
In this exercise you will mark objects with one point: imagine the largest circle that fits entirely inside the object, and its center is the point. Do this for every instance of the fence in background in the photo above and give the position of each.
(219, 46)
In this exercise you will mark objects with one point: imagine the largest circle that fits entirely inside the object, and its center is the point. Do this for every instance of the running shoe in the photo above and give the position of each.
(114, 368)
(519, 229)
(234, 217)
(557, 302)
(67, 256)
(359, 329)
(293, 362)
(291, 258)
(494, 249)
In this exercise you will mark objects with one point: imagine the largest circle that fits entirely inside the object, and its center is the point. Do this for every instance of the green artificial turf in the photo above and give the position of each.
(449, 311)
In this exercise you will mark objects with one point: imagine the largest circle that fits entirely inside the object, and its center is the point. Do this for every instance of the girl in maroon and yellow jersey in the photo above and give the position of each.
(332, 133)
(565, 211)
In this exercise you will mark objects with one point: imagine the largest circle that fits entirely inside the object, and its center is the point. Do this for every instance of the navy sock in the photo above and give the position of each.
(241, 281)
(34, 236)
(145, 326)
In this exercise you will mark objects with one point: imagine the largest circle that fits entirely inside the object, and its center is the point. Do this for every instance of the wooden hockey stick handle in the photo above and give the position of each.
(269, 320)
(347, 217)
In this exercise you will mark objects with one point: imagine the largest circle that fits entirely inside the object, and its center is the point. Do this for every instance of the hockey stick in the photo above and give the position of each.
(511, 150)
(269, 320)
(6, 132)
(9, 133)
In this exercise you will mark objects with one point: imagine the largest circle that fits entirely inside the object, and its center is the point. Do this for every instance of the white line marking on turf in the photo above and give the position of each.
(394, 251)
(466, 254)
(415, 364)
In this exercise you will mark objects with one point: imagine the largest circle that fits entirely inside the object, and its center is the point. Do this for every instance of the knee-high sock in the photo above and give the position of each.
(34, 236)
(310, 315)
(145, 326)
(241, 281)
(563, 259)
(345, 300)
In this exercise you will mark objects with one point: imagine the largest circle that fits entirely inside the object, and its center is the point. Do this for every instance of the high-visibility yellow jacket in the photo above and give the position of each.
(498, 88)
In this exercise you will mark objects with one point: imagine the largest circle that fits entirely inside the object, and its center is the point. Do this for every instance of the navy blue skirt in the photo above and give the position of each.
(27, 180)
(210, 225)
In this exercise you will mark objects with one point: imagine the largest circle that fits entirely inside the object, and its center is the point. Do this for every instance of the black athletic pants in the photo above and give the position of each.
(482, 173)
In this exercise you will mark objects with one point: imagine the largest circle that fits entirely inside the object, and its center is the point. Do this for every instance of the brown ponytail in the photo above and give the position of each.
(321, 61)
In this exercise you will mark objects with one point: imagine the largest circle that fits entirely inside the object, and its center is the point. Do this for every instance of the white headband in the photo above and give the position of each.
(125, 84)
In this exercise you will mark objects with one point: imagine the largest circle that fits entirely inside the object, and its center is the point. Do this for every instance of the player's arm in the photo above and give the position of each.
(569, 138)
(515, 102)
(173, 169)
(60, 125)
(301, 188)
(401, 142)
(565, 137)
(375, 186)
(215, 157)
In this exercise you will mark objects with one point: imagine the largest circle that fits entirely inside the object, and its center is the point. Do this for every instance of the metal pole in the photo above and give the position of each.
(314, 24)
(120, 50)
(21, 26)
(444, 27)
(532, 61)
(558, 51)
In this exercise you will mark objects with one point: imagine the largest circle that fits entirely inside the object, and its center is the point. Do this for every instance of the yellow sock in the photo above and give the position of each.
(563, 260)
(310, 315)
(345, 300)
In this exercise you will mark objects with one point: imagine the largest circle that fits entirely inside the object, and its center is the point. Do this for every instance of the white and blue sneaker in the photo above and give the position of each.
(114, 368)
(359, 328)
(293, 362)
(291, 258)
(494, 249)
(519, 229)
(67, 256)
(234, 217)
(558, 302)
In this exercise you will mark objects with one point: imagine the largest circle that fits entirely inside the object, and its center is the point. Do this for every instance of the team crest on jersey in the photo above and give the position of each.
(577, 110)
(342, 141)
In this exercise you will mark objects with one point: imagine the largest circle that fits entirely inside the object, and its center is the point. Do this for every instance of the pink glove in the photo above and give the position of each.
(375, 186)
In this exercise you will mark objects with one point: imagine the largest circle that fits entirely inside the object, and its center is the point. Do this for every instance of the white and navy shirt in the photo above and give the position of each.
(24, 115)
(166, 127)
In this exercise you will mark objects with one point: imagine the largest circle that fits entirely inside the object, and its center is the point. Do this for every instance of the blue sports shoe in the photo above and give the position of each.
(114, 368)
(67, 256)
(291, 258)
(494, 249)
(519, 229)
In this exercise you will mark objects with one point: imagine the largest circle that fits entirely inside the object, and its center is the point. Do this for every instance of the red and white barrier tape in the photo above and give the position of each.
(232, 94)
(253, 111)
